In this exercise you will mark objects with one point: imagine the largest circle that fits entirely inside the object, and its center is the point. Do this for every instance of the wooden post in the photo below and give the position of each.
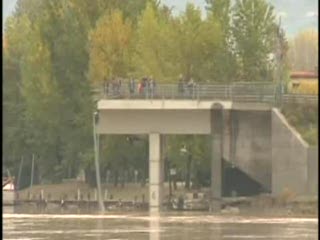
(19, 174)
(95, 194)
(105, 194)
(42, 194)
(78, 192)
(32, 169)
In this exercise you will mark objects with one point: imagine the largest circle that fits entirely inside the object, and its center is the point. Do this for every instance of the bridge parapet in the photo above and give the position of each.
(247, 92)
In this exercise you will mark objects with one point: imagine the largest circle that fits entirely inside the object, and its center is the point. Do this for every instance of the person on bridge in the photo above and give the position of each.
(140, 87)
(132, 86)
(144, 85)
(180, 85)
(106, 86)
(114, 86)
(119, 85)
(191, 85)
(152, 86)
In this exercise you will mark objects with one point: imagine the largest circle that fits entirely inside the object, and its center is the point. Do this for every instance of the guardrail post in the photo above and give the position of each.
(198, 92)
(172, 93)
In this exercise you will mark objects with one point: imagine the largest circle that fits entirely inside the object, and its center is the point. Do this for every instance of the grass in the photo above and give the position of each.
(304, 118)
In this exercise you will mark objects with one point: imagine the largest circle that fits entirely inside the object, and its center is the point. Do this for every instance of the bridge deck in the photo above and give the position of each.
(126, 104)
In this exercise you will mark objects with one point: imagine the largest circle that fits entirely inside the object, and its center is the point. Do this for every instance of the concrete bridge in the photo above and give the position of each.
(253, 136)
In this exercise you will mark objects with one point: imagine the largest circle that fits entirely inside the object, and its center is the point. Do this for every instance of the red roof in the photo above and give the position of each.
(304, 75)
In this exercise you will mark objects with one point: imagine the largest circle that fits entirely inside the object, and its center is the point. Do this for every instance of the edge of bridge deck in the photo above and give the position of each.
(159, 104)
(130, 104)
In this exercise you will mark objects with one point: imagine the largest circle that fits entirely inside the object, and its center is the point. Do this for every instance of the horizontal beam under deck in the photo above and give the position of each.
(160, 121)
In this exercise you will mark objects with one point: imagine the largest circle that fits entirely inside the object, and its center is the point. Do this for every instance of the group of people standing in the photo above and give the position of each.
(186, 87)
(146, 86)
(113, 86)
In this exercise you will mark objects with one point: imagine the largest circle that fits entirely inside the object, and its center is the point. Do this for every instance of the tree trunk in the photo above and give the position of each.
(143, 179)
(175, 182)
(195, 181)
(188, 174)
(123, 178)
(116, 177)
(168, 176)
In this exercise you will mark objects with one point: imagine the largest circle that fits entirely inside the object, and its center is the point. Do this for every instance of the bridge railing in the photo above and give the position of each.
(238, 92)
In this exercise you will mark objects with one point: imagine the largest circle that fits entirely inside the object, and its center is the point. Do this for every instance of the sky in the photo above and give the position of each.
(296, 15)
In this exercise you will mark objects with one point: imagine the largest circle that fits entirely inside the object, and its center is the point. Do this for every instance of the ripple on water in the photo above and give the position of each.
(185, 219)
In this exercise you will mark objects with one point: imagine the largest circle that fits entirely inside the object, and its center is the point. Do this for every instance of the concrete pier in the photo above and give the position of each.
(216, 162)
(155, 172)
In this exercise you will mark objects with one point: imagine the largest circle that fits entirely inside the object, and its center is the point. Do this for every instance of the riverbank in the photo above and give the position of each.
(134, 197)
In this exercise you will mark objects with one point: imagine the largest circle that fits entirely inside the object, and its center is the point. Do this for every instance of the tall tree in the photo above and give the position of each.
(220, 10)
(14, 127)
(62, 58)
(194, 43)
(254, 33)
(150, 44)
(303, 51)
(223, 65)
(110, 47)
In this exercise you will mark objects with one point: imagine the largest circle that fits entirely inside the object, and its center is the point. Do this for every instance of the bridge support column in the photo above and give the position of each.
(155, 172)
(216, 162)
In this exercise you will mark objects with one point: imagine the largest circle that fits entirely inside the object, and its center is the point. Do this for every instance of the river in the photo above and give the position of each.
(26, 225)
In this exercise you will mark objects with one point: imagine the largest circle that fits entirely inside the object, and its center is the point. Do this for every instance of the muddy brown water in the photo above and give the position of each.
(28, 224)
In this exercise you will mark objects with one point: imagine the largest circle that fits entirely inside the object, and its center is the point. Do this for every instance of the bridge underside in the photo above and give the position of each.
(241, 134)
(157, 118)
(162, 116)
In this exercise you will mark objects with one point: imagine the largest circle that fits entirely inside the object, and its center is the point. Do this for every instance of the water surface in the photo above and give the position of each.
(140, 226)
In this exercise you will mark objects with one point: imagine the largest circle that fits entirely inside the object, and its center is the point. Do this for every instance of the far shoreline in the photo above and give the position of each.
(132, 198)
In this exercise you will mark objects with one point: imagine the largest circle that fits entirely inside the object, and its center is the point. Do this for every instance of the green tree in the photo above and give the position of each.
(194, 42)
(14, 128)
(48, 103)
(254, 34)
(193, 163)
(120, 162)
(110, 47)
(150, 44)
(303, 51)
(222, 65)
(60, 56)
